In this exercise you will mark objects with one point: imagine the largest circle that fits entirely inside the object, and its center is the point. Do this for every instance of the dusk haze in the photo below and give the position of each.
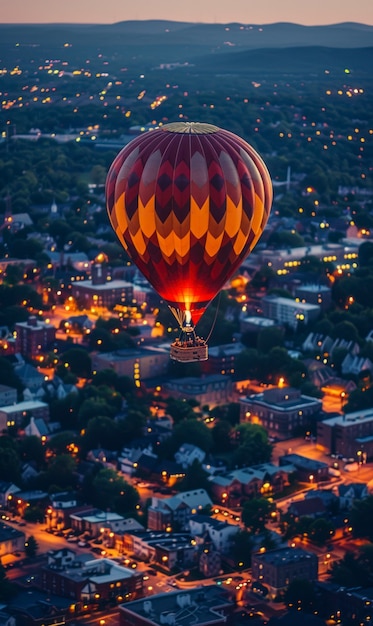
(209, 11)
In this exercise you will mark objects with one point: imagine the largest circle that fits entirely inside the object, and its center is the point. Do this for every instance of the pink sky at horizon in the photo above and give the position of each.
(207, 11)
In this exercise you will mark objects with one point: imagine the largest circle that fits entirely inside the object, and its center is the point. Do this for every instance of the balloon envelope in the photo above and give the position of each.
(188, 202)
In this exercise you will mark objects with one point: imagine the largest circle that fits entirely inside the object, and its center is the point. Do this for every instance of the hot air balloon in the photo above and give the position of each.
(188, 201)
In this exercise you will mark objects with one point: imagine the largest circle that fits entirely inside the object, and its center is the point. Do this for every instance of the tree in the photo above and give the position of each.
(255, 513)
(253, 445)
(195, 478)
(61, 472)
(78, 361)
(32, 449)
(31, 547)
(321, 530)
(8, 376)
(179, 410)
(103, 432)
(191, 431)
(110, 491)
(243, 546)
(227, 412)
(361, 518)
(269, 338)
(346, 330)
(300, 595)
(7, 588)
(93, 407)
(10, 463)
(351, 568)
(221, 434)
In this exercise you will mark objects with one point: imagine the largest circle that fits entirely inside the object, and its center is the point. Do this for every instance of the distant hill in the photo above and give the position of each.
(150, 43)
(280, 34)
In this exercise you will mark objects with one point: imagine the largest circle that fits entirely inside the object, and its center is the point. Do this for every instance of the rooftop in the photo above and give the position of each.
(284, 555)
(350, 418)
(194, 606)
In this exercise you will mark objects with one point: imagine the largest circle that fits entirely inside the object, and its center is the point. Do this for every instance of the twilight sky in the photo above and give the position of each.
(307, 12)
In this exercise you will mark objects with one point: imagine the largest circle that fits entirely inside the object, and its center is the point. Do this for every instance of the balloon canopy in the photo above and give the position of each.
(188, 201)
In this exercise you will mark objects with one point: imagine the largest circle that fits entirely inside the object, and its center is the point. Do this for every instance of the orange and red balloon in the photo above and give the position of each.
(188, 201)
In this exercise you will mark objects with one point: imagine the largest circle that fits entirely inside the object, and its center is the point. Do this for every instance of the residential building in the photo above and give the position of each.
(94, 521)
(308, 507)
(169, 550)
(222, 359)
(254, 324)
(350, 435)
(33, 607)
(289, 312)
(37, 428)
(187, 454)
(204, 605)
(314, 294)
(286, 260)
(166, 513)
(280, 410)
(34, 337)
(350, 493)
(307, 470)
(276, 569)
(233, 487)
(93, 582)
(137, 363)
(24, 499)
(101, 290)
(8, 395)
(31, 378)
(219, 533)
(11, 539)
(7, 490)
(17, 414)
(210, 390)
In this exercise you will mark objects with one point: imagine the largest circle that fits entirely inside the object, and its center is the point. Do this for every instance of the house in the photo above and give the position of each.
(167, 513)
(34, 607)
(107, 458)
(232, 487)
(8, 395)
(307, 470)
(24, 499)
(355, 364)
(351, 492)
(309, 507)
(169, 550)
(288, 311)
(219, 533)
(276, 569)
(93, 582)
(187, 454)
(222, 359)
(37, 428)
(11, 539)
(350, 435)
(280, 410)
(139, 364)
(210, 390)
(7, 489)
(17, 414)
(94, 521)
(34, 337)
(31, 378)
(209, 605)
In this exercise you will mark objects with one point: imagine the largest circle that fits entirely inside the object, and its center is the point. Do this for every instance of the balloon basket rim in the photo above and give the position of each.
(189, 353)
